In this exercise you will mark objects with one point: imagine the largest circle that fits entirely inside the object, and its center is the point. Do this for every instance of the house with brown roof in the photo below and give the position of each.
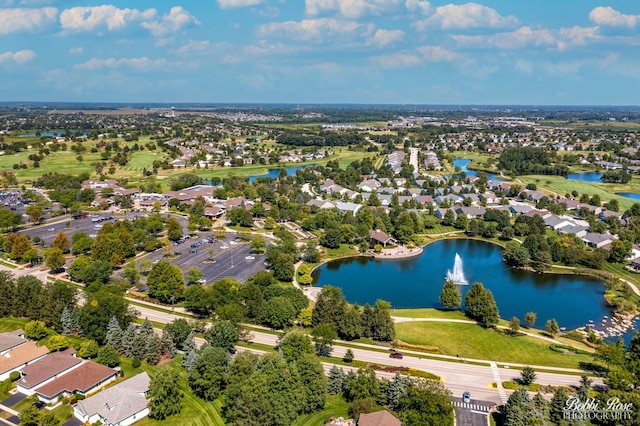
(10, 340)
(380, 237)
(46, 370)
(122, 404)
(379, 418)
(19, 356)
(84, 380)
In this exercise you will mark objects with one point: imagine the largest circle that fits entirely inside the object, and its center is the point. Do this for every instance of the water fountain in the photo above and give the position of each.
(457, 274)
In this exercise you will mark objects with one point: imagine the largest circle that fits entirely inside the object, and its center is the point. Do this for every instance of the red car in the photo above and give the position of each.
(396, 355)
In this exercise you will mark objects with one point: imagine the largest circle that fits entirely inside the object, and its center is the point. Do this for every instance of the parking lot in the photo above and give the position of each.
(70, 226)
(231, 261)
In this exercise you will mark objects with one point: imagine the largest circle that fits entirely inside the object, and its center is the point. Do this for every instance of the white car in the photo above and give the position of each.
(51, 229)
(92, 235)
(250, 257)
(224, 247)
(233, 243)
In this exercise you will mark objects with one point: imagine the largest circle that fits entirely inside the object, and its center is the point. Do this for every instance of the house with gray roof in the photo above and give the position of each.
(47, 369)
(595, 240)
(122, 404)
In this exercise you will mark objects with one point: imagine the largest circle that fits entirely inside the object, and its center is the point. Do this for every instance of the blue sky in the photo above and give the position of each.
(322, 51)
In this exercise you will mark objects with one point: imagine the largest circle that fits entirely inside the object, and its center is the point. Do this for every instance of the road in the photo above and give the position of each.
(413, 159)
(458, 377)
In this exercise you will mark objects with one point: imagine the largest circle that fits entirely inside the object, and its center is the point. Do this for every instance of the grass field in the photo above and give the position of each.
(562, 186)
(428, 313)
(472, 341)
(336, 406)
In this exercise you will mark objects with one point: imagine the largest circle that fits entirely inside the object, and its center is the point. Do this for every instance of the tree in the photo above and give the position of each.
(294, 344)
(527, 376)
(57, 343)
(97, 271)
(179, 331)
(516, 255)
(61, 241)
(166, 282)
(530, 318)
(517, 407)
(283, 267)
(165, 396)
(397, 389)
(450, 295)
(114, 334)
(481, 305)
(323, 337)
(54, 259)
(448, 218)
(222, 334)
(194, 275)
(348, 356)
(88, 349)
(331, 238)
(174, 229)
(107, 355)
(313, 382)
(364, 385)
(20, 245)
(207, 377)
(35, 212)
(330, 307)
(258, 244)
(551, 327)
(278, 312)
(36, 330)
(427, 402)
(514, 326)
(336, 380)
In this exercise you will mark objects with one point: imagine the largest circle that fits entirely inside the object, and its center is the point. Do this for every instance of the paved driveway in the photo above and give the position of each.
(13, 399)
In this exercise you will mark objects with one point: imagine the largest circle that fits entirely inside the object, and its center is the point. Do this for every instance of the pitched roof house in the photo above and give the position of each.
(122, 404)
(83, 380)
(17, 357)
(46, 370)
(379, 418)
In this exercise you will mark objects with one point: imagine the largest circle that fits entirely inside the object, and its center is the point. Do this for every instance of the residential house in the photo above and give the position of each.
(122, 404)
(345, 206)
(378, 418)
(84, 380)
(321, 204)
(46, 370)
(534, 196)
(17, 352)
(381, 237)
(470, 212)
(596, 240)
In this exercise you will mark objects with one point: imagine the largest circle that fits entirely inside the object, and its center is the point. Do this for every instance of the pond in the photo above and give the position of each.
(633, 195)
(463, 162)
(274, 173)
(416, 283)
(585, 176)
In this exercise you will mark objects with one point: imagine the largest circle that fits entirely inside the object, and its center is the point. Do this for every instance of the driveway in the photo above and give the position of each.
(13, 400)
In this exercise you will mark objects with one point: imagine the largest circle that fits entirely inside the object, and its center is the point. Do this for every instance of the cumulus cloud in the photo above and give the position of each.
(176, 19)
(437, 54)
(138, 64)
(468, 15)
(398, 60)
(315, 29)
(19, 57)
(562, 38)
(95, 17)
(75, 51)
(350, 8)
(609, 16)
(21, 20)
(231, 4)
(419, 6)
(383, 38)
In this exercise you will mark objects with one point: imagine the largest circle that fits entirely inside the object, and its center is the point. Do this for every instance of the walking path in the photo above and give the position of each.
(496, 377)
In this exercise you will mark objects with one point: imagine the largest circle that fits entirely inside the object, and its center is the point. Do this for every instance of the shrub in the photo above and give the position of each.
(14, 376)
(136, 363)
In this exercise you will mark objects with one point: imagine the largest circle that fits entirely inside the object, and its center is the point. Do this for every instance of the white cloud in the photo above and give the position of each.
(609, 16)
(383, 38)
(138, 64)
(109, 16)
(19, 57)
(421, 6)
(437, 54)
(194, 47)
(469, 15)
(315, 29)
(524, 66)
(397, 60)
(75, 51)
(230, 4)
(19, 20)
(172, 22)
(562, 38)
(350, 8)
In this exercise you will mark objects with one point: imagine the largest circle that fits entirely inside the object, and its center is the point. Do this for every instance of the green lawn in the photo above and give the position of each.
(11, 323)
(562, 186)
(472, 341)
(336, 406)
(343, 250)
(428, 313)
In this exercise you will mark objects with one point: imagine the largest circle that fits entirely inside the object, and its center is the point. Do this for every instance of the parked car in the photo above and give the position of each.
(250, 257)
(466, 397)
(396, 355)
(38, 404)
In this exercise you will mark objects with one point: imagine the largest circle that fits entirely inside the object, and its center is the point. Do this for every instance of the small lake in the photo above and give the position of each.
(416, 283)
(633, 195)
(33, 135)
(585, 176)
(463, 162)
(274, 173)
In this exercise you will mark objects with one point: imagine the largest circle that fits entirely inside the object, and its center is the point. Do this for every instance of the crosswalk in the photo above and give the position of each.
(471, 406)
(496, 377)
